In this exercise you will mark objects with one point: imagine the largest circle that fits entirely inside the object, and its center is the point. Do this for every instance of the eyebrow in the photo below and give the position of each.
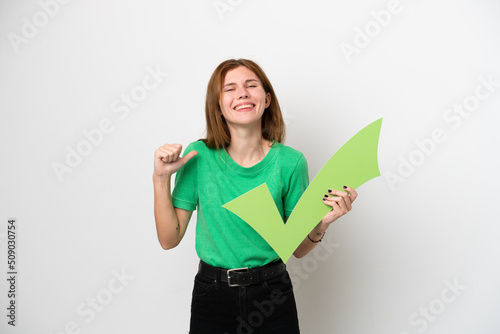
(246, 81)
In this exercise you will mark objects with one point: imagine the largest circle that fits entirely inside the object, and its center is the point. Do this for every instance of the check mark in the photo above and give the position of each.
(353, 164)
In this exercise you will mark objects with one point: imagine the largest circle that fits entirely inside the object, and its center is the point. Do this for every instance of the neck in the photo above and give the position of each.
(248, 148)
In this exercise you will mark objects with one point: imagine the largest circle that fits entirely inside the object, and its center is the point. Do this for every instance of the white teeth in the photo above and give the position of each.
(243, 106)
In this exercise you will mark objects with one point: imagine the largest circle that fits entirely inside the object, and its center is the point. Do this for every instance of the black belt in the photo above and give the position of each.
(242, 276)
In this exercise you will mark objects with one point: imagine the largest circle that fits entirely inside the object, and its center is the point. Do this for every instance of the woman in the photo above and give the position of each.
(242, 150)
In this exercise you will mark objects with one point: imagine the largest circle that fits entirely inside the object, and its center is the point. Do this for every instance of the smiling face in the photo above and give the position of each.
(236, 81)
(243, 99)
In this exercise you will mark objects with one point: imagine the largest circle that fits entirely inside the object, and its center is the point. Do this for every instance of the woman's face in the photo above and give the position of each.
(243, 99)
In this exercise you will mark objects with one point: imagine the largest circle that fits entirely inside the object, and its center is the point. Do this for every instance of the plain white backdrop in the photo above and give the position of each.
(90, 89)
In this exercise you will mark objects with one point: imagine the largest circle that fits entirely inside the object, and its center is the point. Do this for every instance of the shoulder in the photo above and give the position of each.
(288, 151)
(290, 159)
(198, 145)
(205, 154)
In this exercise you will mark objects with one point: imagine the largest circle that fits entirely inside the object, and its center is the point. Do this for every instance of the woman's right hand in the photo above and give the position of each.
(168, 160)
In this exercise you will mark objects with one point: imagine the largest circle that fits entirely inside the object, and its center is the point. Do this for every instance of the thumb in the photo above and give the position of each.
(187, 157)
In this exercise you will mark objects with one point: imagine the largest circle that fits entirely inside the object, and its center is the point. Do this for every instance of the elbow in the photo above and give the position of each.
(168, 245)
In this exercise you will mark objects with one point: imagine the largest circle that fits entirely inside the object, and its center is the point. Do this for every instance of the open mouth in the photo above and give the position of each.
(244, 106)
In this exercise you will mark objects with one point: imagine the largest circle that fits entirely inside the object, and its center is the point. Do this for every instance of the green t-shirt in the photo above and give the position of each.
(212, 178)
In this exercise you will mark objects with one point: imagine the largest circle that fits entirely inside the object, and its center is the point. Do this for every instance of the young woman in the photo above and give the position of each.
(242, 286)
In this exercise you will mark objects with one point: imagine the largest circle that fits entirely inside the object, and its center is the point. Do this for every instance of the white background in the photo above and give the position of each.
(393, 253)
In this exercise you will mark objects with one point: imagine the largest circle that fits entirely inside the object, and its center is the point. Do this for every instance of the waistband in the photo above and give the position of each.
(242, 276)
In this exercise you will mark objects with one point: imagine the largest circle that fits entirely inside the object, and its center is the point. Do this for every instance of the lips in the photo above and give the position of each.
(244, 106)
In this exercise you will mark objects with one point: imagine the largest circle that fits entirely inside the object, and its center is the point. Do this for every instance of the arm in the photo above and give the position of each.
(171, 223)
(341, 203)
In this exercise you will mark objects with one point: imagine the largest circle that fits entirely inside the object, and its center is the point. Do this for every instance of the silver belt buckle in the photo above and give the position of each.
(229, 277)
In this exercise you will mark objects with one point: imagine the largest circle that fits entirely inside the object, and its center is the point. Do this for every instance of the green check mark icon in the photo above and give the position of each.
(353, 164)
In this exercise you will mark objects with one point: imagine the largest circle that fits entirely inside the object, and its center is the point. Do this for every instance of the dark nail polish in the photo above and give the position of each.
(345, 187)
(324, 199)
(326, 196)
(329, 190)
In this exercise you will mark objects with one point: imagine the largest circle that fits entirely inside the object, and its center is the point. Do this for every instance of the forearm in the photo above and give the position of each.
(167, 223)
(307, 245)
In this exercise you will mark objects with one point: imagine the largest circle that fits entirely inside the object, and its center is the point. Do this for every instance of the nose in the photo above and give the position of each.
(242, 93)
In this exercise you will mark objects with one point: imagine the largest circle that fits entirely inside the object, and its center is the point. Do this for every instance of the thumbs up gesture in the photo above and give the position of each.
(168, 160)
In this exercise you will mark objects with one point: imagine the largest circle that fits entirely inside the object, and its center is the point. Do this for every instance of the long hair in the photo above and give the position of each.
(218, 135)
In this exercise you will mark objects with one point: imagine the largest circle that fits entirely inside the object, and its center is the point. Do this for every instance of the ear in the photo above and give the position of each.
(268, 99)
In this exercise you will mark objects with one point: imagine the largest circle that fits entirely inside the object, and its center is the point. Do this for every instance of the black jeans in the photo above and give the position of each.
(263, 308)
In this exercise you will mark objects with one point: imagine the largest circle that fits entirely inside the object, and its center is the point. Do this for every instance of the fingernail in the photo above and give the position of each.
(326, 196)
(324, 199)
(329, 190)
(345, 187)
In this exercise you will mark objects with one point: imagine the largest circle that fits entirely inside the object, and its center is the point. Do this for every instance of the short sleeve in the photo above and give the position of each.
(185, 194)
(299, 181)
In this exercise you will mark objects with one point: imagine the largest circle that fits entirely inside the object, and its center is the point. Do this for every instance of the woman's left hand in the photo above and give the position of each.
(340, 201)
